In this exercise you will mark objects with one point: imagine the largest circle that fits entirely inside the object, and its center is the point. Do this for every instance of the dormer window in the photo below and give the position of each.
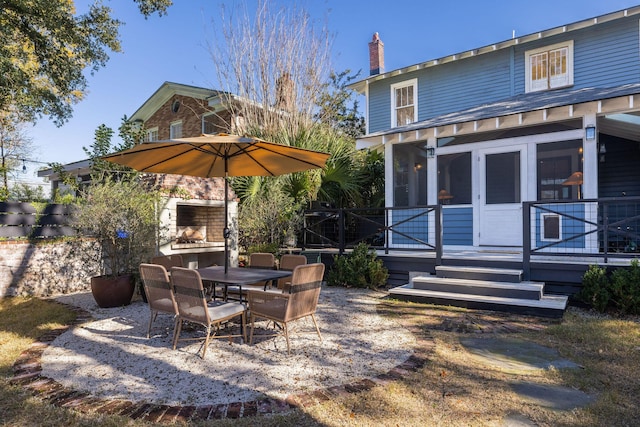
(550, 67)
(403, 103)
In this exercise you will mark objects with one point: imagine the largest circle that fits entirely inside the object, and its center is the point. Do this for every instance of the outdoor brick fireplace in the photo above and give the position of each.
(198, 226)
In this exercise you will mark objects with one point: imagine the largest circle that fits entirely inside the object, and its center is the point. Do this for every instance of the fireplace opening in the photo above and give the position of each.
(198, 226)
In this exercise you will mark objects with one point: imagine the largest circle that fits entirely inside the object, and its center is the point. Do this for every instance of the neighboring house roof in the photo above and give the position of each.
(81, 167)
(515, 105)
(360, 86)
(169, 89)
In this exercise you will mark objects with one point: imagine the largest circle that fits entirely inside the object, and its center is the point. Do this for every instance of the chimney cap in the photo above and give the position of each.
(376, 37)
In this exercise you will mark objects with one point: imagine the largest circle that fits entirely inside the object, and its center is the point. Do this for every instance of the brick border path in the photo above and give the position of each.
(28, 367)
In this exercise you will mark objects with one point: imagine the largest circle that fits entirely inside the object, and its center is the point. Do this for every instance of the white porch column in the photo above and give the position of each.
(432, 174)
(590, 163)
(388, 173)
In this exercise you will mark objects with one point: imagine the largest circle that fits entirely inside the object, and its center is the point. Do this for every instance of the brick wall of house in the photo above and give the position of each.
(190, 112)
(47, 268)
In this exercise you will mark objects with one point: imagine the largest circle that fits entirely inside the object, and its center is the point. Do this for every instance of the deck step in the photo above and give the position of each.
(522, 290)
(479, 273)
(547, 306)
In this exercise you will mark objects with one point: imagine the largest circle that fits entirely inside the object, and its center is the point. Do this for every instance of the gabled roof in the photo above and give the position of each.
(165, 92)
(360, 86)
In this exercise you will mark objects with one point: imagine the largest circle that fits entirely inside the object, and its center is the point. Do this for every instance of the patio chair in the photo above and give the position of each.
(168, 261)
(298, 302)
(159, 292)
(256, 260)
(288, 262)
(193, 307)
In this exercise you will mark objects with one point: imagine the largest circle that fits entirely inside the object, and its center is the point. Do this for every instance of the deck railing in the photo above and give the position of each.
(406, 228)
(590, 228)
(593, 229)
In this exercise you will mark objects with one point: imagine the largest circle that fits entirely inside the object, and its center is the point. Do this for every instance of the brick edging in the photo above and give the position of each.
(27, 371)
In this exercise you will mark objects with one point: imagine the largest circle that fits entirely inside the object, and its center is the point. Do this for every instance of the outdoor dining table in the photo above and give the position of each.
(238, 276)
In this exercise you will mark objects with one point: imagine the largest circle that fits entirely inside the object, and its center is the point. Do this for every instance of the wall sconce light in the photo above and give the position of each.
(590, 132)
(24, 166)
(417, 166)
(431, 151)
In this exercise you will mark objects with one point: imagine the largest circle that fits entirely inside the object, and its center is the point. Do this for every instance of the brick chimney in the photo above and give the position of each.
(376, 55)
(285, 93)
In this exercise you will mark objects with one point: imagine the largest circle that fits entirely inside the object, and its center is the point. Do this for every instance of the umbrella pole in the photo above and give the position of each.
(226, 231)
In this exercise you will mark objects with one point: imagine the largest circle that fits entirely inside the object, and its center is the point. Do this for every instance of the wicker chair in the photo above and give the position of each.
(288, 262)
(193, 307)
(299, 301)
(168, 261)
(159, 292)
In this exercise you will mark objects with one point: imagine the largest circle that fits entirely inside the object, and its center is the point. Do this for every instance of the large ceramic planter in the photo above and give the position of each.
(111, 291)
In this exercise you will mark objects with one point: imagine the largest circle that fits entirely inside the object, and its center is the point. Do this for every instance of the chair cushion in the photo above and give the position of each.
(221, 310)
(195, 311)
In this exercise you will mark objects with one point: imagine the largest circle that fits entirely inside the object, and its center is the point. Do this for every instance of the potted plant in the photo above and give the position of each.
(121, 215)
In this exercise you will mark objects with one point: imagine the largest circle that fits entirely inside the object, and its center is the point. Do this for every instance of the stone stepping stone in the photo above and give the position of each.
(514, 355)
(552, 396)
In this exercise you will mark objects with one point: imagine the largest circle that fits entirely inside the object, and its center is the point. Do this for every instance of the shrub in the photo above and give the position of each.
(625, 288)
(360, 269)
(122, 217)
(621, 291)
(595, 288)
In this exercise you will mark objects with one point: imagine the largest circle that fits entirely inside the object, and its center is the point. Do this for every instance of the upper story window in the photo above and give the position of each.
(175, 131)
(403, 103)
(549, 67)
(152, 134)
(209, 124)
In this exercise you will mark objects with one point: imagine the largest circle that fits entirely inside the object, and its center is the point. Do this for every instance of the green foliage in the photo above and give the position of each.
(372, 171)
(595, 288)
(22, 192)
(621, 291)
(46, 49)
(625, 288)
(361, 269)
(272, 248)
(333, 105)
(122, 216)
(271, 219)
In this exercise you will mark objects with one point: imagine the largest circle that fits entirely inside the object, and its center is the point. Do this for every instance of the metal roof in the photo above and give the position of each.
(517, 104)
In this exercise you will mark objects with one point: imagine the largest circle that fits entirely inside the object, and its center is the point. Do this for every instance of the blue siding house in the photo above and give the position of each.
(529, 145)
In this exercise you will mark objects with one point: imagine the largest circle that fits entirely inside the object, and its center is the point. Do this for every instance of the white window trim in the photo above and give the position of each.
(150, 130)
(202, 121)
(172, 124)
(414, 82)
(527, 66)
(542, 218)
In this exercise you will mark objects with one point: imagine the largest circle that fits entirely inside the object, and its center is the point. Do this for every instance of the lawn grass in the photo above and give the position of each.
(451, 389)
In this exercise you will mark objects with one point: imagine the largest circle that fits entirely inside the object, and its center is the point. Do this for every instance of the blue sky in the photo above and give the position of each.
(171, 48)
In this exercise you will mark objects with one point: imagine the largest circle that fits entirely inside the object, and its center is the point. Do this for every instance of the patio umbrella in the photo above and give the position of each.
(219, 155)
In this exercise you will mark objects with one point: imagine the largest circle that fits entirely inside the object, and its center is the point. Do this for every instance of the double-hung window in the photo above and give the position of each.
(403, 103)
(175, 131)
(550, 67)
(152, 134)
